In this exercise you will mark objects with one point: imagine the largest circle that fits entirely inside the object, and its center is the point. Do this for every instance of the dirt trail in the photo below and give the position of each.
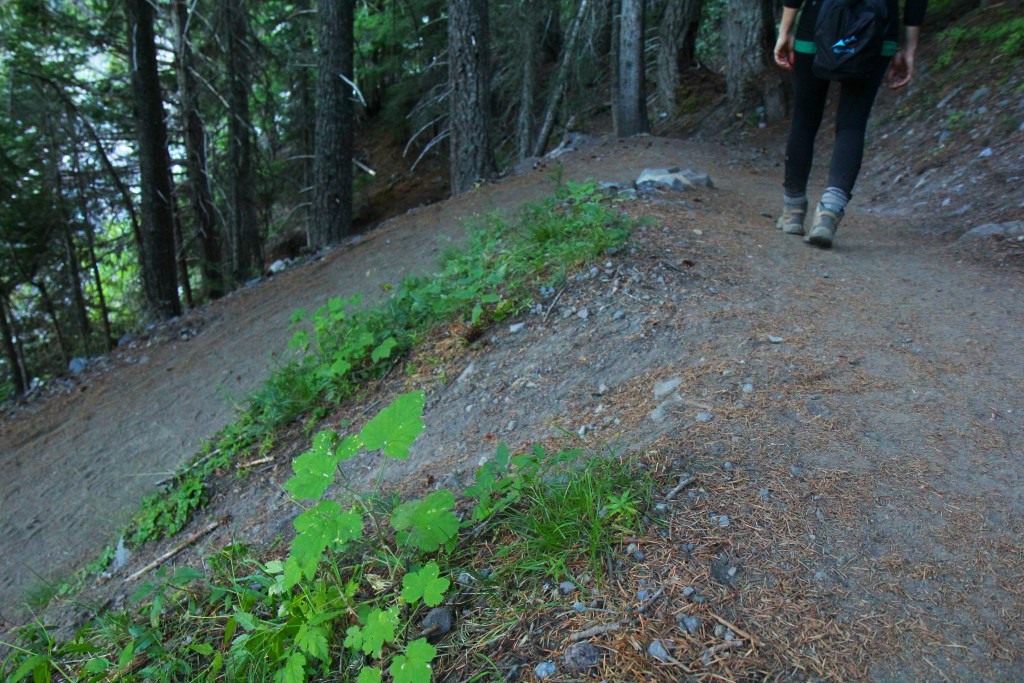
(871, 462)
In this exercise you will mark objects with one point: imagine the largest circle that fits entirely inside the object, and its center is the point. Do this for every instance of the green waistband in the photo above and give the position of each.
(808, 47)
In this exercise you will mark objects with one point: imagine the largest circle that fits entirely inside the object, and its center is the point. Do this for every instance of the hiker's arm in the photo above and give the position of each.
(902, 68)
(784, 45)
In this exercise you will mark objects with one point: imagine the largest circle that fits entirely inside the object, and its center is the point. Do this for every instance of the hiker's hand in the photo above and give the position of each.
(784, 52)
(901, 70)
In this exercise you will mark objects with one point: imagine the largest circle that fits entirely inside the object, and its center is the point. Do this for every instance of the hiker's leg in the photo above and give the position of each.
(856, 98)
(809, 94)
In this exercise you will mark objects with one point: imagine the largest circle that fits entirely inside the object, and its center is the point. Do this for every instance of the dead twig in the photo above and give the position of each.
(178, 548)
(595, 631)
(684, 481)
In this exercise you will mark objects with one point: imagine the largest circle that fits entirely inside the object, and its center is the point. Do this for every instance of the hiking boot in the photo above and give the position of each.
(793, 217)
(826, 223)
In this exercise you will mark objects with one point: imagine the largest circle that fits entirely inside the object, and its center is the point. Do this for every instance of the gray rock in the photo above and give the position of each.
(579, 607)
(581, 657)
(985, 153)
(583, 313)
(723, 521)
(642, 595)
(663, 389)
(765, 494)
(794, 470)
(698, 179)
(705, 417)
(980, 94)
(465, 579)
(688, 591)
(277, 267)
(567, 587)
(1011, 229)
(438, 622)
(660, 650)
(617, 315)
(775, 340)
(747, 388)
(78, 365)
(652, 179)
(693, 625)
(517, 327)
(544, 669)
(121, 555)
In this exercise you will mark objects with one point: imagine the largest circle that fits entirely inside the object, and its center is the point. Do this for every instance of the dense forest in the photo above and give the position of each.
(154, 153)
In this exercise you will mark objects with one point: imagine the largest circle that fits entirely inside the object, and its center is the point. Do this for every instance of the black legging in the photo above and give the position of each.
(855, 100)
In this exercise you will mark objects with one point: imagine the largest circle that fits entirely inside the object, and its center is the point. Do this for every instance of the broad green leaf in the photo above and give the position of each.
(349, 447)
(93, 666)
(185, 575)
(384, 350)
(340, 367)
(396, 427)
(478, 312)
(245, 620)
(369, 674)
(425, 584)
(294, 669)
(354, 638)
(314, 469)
(313, 641)
(379, 629)
(414, 665)
(319, 527)
(431, 519)
(127, 652)
(205, 649)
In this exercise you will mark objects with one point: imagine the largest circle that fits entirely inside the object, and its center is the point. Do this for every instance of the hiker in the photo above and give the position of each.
(856, 43)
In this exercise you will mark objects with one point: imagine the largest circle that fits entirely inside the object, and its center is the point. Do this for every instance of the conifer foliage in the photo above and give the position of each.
(152, 154)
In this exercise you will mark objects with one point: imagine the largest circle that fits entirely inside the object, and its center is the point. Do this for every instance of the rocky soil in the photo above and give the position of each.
(845, 428)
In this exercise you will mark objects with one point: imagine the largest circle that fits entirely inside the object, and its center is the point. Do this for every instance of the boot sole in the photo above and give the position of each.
(820, 241)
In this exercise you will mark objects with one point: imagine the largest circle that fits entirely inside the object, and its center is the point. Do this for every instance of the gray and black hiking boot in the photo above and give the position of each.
(794, 214)
(826, 222)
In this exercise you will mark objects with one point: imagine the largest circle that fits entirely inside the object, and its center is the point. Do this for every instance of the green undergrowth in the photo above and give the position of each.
(998, 32)
(337, 351)
(348, 601)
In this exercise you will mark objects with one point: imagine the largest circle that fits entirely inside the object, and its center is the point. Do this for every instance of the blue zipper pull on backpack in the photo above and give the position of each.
(848, 38)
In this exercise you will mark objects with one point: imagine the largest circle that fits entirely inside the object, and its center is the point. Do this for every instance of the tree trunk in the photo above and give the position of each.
(676, 36)
(207, 236)
(247, 250)
(529, 53)
(613, 53)
(75, 283)
(469, 97)
(632, 97)
(750, 79)
(335, 119)
(182, 258)
(18, 378)
(83, 199)
(558, 86)
(51, 311)
(157, 258)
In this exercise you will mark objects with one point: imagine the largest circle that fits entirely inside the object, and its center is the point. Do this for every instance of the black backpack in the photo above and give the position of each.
(848, 38)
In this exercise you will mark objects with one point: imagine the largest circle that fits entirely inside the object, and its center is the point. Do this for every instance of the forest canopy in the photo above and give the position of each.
(156, 155)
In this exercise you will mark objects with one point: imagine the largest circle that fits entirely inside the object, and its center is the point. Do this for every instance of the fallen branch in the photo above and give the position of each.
(684, 481)
(178, 548)
(591, 632)
(735, 629)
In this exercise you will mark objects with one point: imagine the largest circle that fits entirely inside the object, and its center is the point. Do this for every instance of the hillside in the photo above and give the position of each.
(830, 440)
